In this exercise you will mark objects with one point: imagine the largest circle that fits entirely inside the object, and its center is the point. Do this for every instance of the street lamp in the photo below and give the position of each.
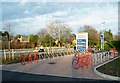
(59, 36)
(102, 36)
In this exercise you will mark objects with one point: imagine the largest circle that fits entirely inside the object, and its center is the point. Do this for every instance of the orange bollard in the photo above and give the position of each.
(35, 57)
(29, 58)
(22, 59)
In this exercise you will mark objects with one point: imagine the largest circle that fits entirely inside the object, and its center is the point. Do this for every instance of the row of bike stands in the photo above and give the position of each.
(104, 56)
(100, 57)
(96, 58)
(42, 56)
(10, 56)
(51, 55)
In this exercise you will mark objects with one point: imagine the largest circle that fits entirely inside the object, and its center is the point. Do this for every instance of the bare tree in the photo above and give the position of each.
(8, 26)
(93, 35)
(117, 37)
(41, 34)
(59, 30)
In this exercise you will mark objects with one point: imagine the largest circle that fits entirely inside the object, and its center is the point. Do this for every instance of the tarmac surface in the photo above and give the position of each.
(56, 69)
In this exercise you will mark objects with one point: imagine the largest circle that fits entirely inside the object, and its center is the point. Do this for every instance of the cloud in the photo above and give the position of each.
(38, 7)
(94, 15)
(23, 2)
(72, 14)
(27, 12)
(61, 1)
(59, 13)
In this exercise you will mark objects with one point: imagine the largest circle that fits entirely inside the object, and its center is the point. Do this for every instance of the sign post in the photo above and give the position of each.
(82, 41)
(102, 40)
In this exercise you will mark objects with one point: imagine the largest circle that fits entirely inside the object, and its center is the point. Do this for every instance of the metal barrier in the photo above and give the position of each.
(35, 56)
(96, 58)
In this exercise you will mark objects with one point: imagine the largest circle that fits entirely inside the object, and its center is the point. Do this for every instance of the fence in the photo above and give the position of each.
(14, 55)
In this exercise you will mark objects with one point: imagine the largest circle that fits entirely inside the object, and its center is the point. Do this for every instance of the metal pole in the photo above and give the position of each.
(4, 55)
(59, 36)
(102, 38)
(9, 42)
(12, 54)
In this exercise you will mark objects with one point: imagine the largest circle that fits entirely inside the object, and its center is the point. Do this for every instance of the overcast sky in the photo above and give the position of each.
(35, 15)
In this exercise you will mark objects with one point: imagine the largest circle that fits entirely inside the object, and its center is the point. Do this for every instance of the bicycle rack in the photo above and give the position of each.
(29, 57)
(22, 59)
(35, 57)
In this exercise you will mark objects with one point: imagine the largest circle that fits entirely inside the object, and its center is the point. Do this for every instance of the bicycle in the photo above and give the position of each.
(88, 59)
(113, 53)
(77, 62)
(81, 60)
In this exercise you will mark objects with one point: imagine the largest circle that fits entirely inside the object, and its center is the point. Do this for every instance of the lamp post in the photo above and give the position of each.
(9, 42)
(102, 36)
(59, 36)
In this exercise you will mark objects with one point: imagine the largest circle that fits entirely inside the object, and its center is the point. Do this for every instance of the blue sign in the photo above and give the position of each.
(81, 44)
(81, 48)
(82, 41)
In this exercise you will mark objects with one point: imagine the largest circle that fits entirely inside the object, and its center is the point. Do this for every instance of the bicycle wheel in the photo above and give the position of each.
(75, 63)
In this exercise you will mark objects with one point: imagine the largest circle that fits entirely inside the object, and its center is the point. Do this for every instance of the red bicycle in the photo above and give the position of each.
(113, 53)
(81, 60)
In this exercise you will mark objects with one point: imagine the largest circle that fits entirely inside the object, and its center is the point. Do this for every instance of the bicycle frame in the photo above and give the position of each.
(81, 60)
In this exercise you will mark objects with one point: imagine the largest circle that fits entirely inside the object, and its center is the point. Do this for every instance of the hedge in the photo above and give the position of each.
(116, 44)
(18, 45)
(112, 44)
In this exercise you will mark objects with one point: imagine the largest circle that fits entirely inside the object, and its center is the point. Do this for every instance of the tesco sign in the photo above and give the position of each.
(82, 41)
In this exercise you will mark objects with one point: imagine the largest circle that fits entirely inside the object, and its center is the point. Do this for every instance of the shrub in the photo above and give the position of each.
(18, 45)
